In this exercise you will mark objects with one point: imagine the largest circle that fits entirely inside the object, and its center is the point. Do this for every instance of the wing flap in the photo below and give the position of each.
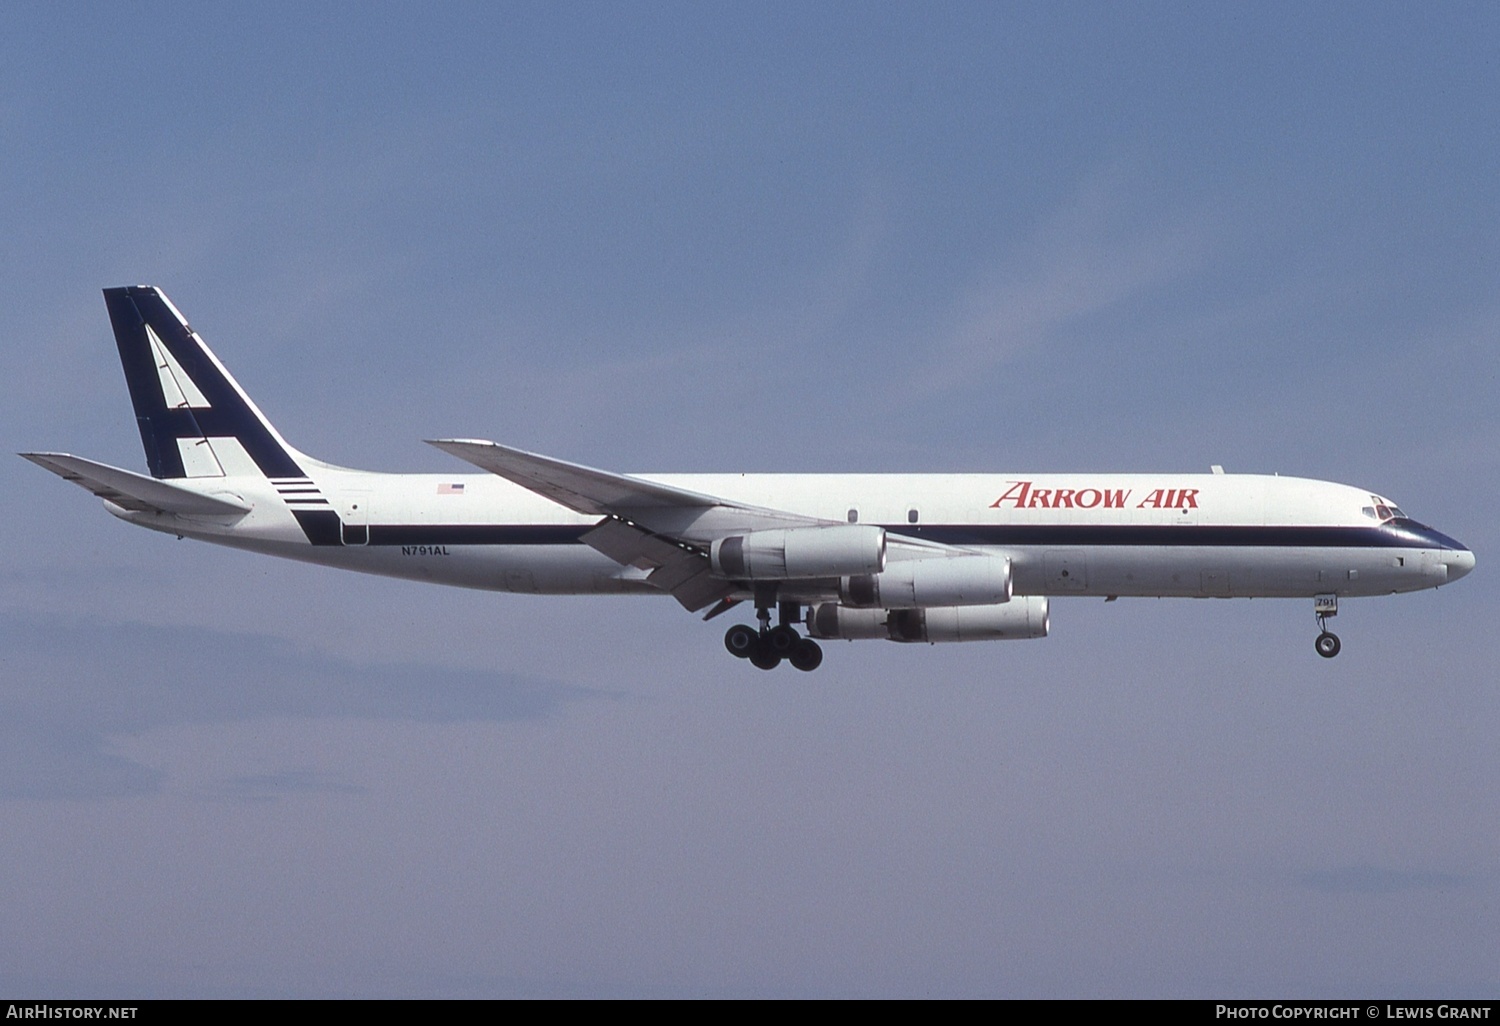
(135, 492)
(701, 589)
(681, 571)
(673, 575)
(630, 545)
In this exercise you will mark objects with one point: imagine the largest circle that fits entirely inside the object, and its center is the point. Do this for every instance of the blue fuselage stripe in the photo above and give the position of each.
(1406, 534)
(477, 534)
(1395, 535)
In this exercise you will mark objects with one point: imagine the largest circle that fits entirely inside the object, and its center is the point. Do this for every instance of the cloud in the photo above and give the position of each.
(1367, 879)
(71, 687)
(1095, 253)
(51, 759)
(264, 787)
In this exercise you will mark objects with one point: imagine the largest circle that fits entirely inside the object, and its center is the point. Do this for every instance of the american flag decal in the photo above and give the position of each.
(450, 489)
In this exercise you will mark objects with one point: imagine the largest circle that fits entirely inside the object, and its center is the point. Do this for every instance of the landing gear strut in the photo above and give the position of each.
(768, 646)
(1327, 642)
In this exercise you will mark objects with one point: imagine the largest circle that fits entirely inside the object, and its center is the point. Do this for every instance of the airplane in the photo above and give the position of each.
(904, 557)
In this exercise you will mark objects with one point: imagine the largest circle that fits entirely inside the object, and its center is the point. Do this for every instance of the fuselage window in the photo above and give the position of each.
(911, 516)
(854, 516)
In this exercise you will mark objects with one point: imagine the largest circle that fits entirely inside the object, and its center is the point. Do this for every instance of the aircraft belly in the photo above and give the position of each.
(1223, 572)
(565, 569)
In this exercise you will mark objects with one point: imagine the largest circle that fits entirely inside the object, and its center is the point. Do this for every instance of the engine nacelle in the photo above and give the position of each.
(839, 550)
(940, 581)
(1025, 616)
(831, 620)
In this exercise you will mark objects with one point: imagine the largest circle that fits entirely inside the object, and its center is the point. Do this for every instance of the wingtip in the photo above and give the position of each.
(441, 442)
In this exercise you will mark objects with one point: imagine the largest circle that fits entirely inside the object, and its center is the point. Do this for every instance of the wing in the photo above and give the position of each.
(597, 492)
(135, 492)
(654, 526)
(648, 525)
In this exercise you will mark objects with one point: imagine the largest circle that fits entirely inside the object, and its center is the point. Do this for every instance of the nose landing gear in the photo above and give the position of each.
(1327, 642)
(768, 646)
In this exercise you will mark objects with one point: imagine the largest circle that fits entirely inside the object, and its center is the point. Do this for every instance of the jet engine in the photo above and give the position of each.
(831, 620)
(939, 581)
(839, 550)
(1025, 616)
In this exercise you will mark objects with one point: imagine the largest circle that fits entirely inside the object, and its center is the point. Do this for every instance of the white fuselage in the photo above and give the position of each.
(1211, 535)
(905, 557)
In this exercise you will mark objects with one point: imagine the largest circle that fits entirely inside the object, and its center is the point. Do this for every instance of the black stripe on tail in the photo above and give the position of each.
(181, 391)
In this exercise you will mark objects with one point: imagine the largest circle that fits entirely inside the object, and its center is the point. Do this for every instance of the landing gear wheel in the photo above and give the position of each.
(807, 656)
(764, 658)
(783, 640)
(1327, 645)
(742, 641)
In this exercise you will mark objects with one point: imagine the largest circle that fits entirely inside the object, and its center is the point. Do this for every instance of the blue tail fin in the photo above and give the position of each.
(195, 420)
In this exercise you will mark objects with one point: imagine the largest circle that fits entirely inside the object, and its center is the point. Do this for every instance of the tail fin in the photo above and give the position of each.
(195, 420)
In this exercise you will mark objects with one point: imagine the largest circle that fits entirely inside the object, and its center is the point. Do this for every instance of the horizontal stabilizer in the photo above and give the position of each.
(135, 492)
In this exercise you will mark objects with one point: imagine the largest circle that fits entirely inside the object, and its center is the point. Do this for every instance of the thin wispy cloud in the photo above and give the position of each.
(61, 725)
(1091, 255)
(1367, 879)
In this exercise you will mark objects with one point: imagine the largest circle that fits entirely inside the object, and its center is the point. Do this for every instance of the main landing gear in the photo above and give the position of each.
(768, 646)
(1327, 642)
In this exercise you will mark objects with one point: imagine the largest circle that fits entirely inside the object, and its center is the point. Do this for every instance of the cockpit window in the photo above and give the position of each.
(1382, 510)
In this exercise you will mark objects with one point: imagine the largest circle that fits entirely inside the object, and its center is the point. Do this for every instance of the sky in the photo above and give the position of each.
(713, 237)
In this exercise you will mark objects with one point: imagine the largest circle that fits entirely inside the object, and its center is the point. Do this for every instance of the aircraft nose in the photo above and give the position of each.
(1459, 561)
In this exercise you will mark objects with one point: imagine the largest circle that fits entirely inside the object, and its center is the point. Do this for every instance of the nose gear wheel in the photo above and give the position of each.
(1327, 643)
